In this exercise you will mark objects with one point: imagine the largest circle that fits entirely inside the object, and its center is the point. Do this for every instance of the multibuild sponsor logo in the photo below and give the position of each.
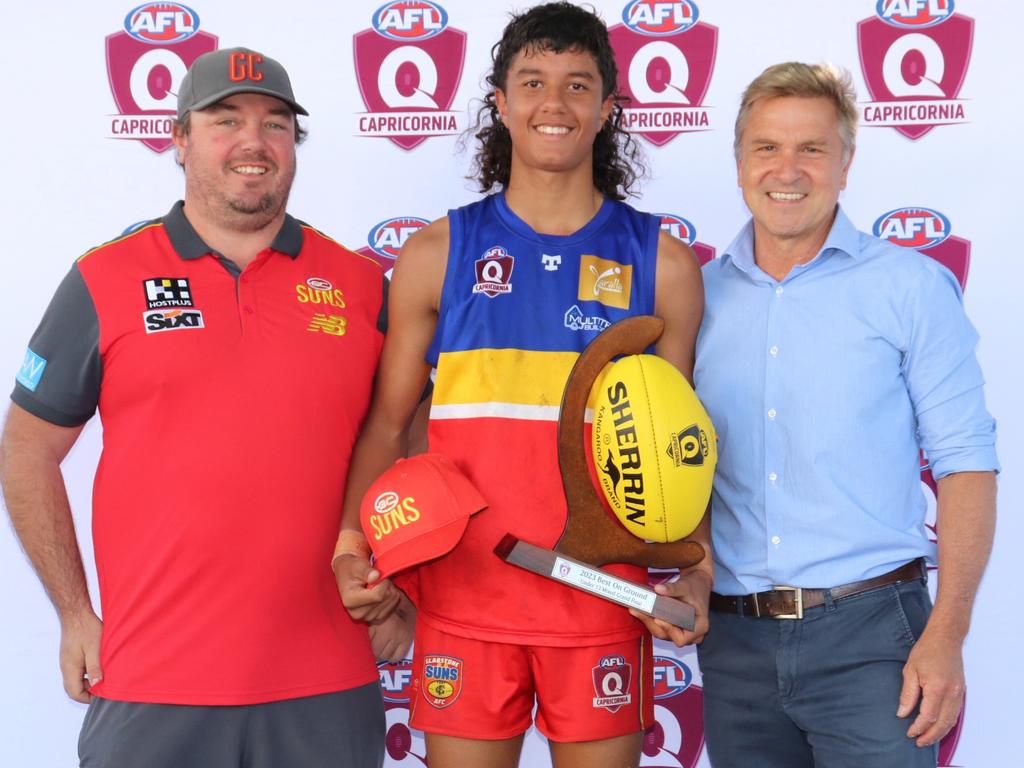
(914, 56)
(408, 66)
(146, 62)
(665, 57)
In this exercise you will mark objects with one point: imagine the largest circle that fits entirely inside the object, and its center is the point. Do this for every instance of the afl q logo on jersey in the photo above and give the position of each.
(676, 739)
(665, 58)
(682, 229)
(408, 67)
(914, 56)
(146, 62)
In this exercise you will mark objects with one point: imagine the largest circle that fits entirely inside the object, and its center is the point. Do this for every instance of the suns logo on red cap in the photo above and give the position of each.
(404, 20)
(914, 14)
(161, 23)
(391, 513)
(657, 18)
(912, 227)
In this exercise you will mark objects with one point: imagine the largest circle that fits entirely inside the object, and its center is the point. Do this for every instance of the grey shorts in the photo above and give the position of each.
(333, 730)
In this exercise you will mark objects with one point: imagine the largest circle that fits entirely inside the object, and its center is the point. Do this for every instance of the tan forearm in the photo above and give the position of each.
(965, 523)
(37, 502)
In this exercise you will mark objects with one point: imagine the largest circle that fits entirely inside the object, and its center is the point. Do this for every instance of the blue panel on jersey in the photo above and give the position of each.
(31, 370)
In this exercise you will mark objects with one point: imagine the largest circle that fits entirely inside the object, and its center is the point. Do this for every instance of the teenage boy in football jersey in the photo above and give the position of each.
(491, 296)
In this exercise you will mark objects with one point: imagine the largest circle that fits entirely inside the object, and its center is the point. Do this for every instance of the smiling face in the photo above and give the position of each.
(553, 107)
(239, 160)
(791, 167)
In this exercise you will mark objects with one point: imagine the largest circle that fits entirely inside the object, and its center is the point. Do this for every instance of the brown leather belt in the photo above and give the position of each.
(791, 602)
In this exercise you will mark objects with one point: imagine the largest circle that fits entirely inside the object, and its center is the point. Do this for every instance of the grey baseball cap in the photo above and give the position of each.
(219, 74)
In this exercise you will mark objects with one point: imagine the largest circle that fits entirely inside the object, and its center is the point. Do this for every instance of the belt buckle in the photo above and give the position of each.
(798, 600)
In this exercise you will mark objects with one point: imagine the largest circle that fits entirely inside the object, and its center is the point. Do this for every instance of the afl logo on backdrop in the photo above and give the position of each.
(914, 56)
(146, 63)
(683, 229)
(408, 66)
(929, 232)
(665, 58)
(677, 737)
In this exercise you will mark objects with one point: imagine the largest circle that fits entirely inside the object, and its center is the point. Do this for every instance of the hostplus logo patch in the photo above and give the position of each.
(665, 57)
(386, 238)
(146, 62)
(408, 67)
(914, 56)
(684, 230)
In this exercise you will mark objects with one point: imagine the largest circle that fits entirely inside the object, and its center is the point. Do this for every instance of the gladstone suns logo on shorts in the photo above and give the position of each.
(146, 62)
(677, 738)
(665, 58)
(914, 56)
(683, 229)
(408, 67)
(442, 680)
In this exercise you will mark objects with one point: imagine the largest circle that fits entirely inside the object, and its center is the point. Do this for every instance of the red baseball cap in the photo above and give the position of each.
(416, 511)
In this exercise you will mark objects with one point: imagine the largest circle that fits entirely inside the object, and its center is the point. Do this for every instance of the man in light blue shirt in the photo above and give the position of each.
(827, 358)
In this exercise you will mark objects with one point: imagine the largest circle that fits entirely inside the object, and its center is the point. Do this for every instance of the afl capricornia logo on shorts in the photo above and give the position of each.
(494, 272)
(442, 680)
(612, 677)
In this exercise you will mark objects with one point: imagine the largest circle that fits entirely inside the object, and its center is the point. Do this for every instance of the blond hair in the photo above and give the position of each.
(809, 81)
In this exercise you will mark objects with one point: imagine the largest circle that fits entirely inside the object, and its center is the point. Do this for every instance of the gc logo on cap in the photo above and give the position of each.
(417, 511)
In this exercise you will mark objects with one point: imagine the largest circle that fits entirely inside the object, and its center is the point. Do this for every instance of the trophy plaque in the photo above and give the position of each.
(592, 537)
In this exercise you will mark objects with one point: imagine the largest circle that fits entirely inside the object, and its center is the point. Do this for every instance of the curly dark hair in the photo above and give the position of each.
(557, 27)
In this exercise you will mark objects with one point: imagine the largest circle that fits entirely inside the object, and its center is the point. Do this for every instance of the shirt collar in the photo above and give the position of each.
(189, 245)
(843, 237)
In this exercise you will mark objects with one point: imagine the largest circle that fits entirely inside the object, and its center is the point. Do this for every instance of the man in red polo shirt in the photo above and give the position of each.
(230, 351)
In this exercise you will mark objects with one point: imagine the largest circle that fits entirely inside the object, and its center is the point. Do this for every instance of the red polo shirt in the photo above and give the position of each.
(230, 402)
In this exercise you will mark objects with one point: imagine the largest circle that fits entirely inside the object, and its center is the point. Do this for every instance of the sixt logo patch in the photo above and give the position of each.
(146, 62)
(666, 57)
(387, 238)
(408, 67)
(404, 20)
(158, 320)
(671, 677)
(914, 14)
(396, 680)
(912, 227)
(161, 23)
(31, 371)
(650, 17)
(442, 680)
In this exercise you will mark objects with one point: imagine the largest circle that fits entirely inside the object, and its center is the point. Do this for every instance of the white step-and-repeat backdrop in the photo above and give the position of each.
(391, 89)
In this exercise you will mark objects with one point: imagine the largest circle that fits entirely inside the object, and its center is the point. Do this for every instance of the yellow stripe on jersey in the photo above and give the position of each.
(503, 383)
(119, 238)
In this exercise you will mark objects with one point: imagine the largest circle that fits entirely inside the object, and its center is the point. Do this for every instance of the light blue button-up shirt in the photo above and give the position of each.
(822, 387)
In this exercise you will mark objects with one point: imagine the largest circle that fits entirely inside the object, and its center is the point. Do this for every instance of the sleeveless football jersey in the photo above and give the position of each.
(516, 310)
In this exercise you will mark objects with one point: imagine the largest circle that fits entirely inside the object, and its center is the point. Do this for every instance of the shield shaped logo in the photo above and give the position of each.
(494, 272)
(677, 735)
(666, 78)
(409, 86)
(442, 680)
(612, 677)
(144, 79)
(919, 69)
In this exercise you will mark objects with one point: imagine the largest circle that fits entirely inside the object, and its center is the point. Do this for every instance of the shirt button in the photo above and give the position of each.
(779, 291)
(773, 477)
(771, 413)
(776, 540)
(247, 309)
(774, 351)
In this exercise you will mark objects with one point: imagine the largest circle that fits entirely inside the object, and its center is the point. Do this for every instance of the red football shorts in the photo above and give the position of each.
(476, 689)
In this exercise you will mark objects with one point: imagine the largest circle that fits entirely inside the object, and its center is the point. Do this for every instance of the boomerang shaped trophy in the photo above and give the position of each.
(593, 538)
